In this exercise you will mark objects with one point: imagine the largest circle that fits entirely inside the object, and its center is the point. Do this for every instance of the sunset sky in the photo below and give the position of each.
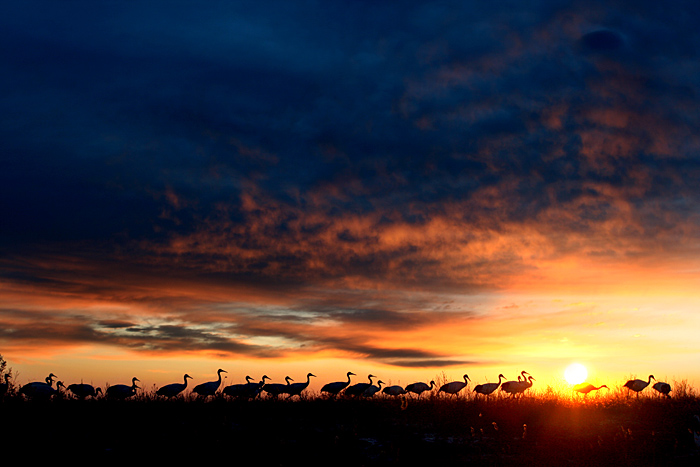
(402, 188)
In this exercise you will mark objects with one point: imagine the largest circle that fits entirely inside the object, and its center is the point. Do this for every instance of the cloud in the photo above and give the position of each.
(228, 179)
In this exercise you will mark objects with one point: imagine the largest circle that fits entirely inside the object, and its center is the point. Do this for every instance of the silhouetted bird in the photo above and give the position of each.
(336, 387)
(253, 390)
(372, 389)
(585, 388)
(83, 390)
(359, 388)
(209, 388)
(420, 387)
(521, 386)
(172, 390)
(455, 386)
(38, 388)
(488, 388)
(4, 387)
(663, 388)
(394, 391)
(123, 391)
(638, 385)
(275, 389)
(296, 388)
(506, 387)
(238, 390)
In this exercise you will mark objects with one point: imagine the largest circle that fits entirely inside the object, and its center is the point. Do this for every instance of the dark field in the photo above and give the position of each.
(535, 430)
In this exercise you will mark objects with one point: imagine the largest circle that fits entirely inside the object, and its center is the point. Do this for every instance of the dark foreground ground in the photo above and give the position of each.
(383, 432)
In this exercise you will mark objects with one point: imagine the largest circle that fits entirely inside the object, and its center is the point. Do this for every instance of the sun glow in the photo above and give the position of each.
(575, 373)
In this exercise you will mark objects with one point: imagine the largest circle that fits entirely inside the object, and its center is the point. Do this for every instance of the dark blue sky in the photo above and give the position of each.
(340, 147)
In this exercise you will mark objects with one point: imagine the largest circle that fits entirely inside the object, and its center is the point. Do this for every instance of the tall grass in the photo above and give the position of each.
(548, 425)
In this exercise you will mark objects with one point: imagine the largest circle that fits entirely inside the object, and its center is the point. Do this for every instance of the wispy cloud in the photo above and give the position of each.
(337, 179)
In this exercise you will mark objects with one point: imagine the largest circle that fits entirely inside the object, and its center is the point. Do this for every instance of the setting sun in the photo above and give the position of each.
(575, 373)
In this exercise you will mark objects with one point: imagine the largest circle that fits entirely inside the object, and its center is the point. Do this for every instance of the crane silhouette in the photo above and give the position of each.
(38, 389)
(372, 389)
(506, 387)
(172, 390)
(123, 391)
(522, 386)
(335, 388)
(394, 391)
(209, 388)
(638, 385)
(455, 386)
(5, 386)
(296, 388)
(252, 390)
(275, 389)
(662, 388)
(83, 390)
(359, 388)
(41, 391)
(420, 387)
(238, 390)
(488, 388)
(585, 388)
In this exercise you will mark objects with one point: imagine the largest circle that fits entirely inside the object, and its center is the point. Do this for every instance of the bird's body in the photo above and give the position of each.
(335, 388)
(209, 388)
(394, 391)
(455, 386)
(172, 390)
(585, 388)
(663, 388)
(488, 388)
(509, 386)
(122, 391)
(252, 390)
(638, 385)
(359, 388)
(275, 389)
(30, 389)
(420, 387)
(4, 386)
(83, 390)
(238, 390)
(39, 389)
(372, 389)
(296, 388)
(522, 386)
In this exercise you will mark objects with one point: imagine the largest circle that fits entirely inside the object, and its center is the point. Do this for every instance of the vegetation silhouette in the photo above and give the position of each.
(545, 426)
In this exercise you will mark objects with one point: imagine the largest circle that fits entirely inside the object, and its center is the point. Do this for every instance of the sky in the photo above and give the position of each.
(407, 189)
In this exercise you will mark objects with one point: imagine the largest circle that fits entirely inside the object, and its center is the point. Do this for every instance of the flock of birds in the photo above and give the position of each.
(252, 389)
(636, 385)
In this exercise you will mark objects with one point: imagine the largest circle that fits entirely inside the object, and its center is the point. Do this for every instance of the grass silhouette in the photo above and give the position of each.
(547, 426)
